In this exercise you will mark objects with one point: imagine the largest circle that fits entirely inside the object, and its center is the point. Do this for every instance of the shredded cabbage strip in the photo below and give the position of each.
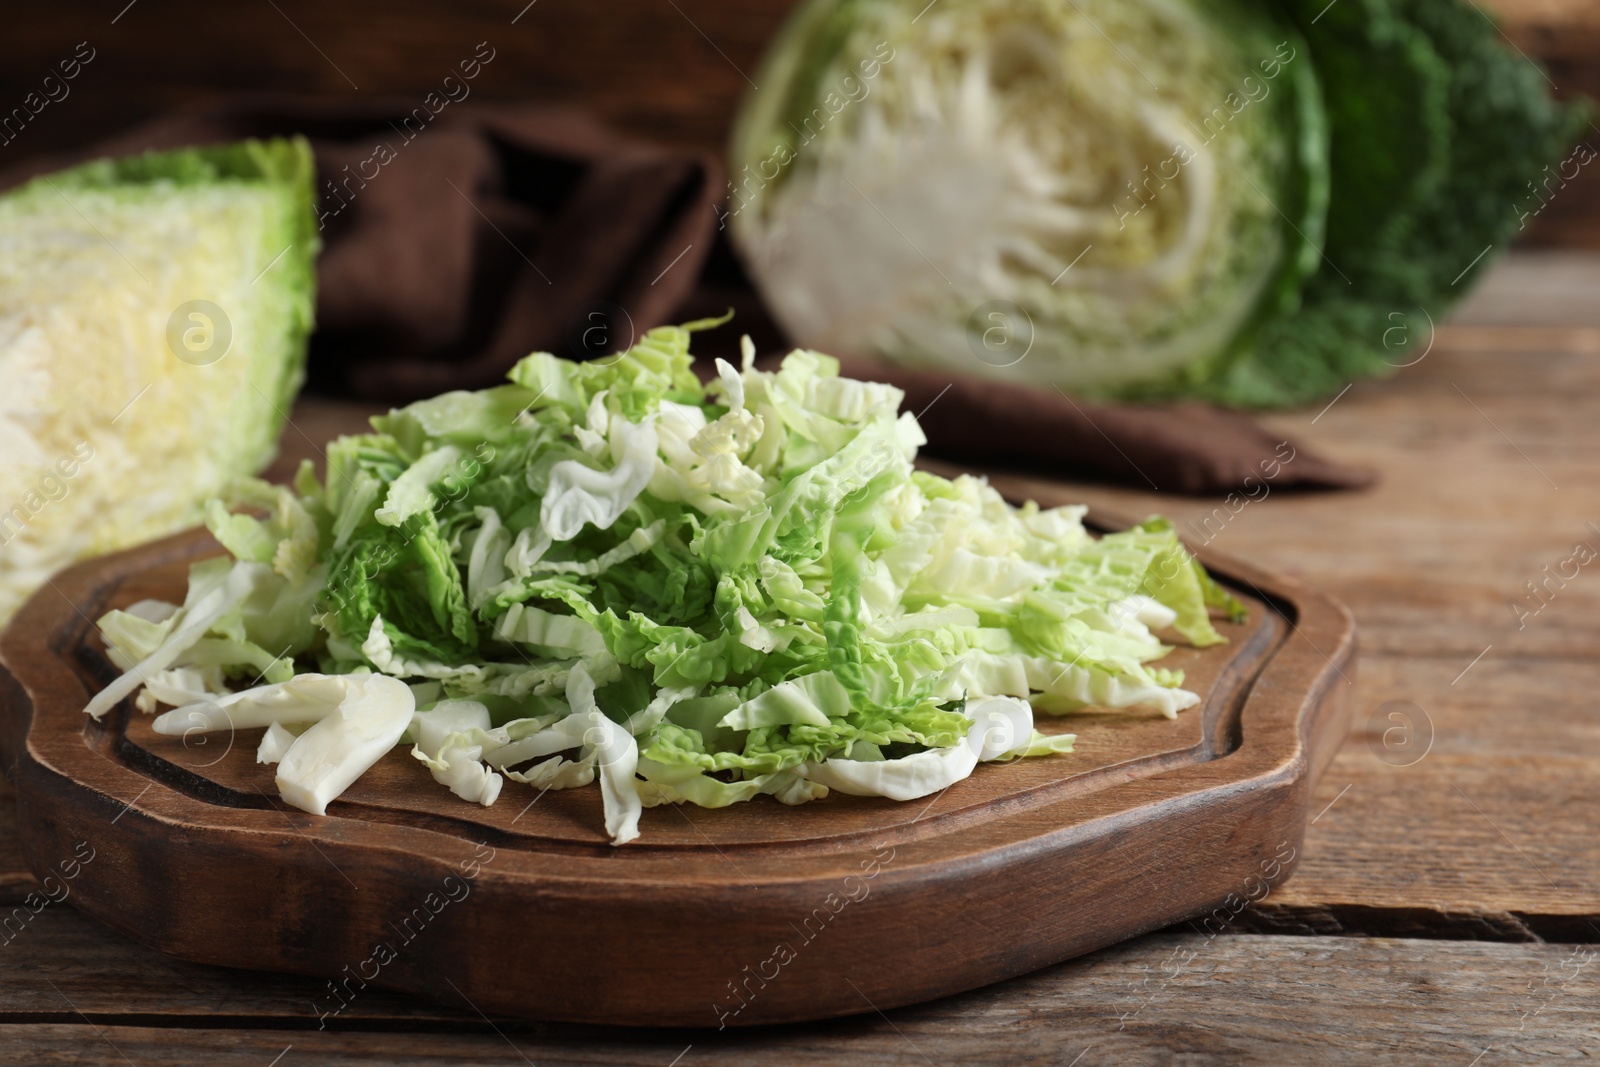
(692, 593)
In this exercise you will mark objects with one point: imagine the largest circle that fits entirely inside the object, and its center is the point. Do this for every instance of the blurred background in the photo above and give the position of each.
(670, 71)
(673, 71)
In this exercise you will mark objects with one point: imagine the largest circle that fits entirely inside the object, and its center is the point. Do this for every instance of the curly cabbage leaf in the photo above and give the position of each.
(1437, 134)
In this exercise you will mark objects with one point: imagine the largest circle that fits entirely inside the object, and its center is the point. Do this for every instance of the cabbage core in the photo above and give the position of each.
(1110, 177)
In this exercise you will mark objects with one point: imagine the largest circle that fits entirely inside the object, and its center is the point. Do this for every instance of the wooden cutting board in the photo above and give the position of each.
(756, 913)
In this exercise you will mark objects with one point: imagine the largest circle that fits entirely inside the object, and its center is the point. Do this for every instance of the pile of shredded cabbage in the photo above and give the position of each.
(696, 593)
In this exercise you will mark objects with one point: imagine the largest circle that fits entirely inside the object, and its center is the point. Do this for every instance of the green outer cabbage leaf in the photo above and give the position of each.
(1437, 134)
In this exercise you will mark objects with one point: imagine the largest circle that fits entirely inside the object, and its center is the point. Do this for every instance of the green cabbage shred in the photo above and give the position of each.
(695, 593)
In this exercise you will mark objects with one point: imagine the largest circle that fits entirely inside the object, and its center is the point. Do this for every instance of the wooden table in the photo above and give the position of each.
(1447, 909)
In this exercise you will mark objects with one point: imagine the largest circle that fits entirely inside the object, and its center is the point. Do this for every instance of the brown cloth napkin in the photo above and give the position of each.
(1187, 447)
(457, 242)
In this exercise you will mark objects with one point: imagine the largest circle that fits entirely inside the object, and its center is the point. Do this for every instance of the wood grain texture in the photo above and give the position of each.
(1549, 287)
(1495, 820)
(191, 852)
(1488, 456)
(1488, 832)
(1527, 709)
(1163, 998)
(15, 878)
(90, 966)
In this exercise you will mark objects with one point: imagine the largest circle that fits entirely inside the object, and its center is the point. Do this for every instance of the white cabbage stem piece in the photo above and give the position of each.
(274, 743)
(195, 620)
(452, 739)
(1000, 726)
(356, 719)
(326, 759)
